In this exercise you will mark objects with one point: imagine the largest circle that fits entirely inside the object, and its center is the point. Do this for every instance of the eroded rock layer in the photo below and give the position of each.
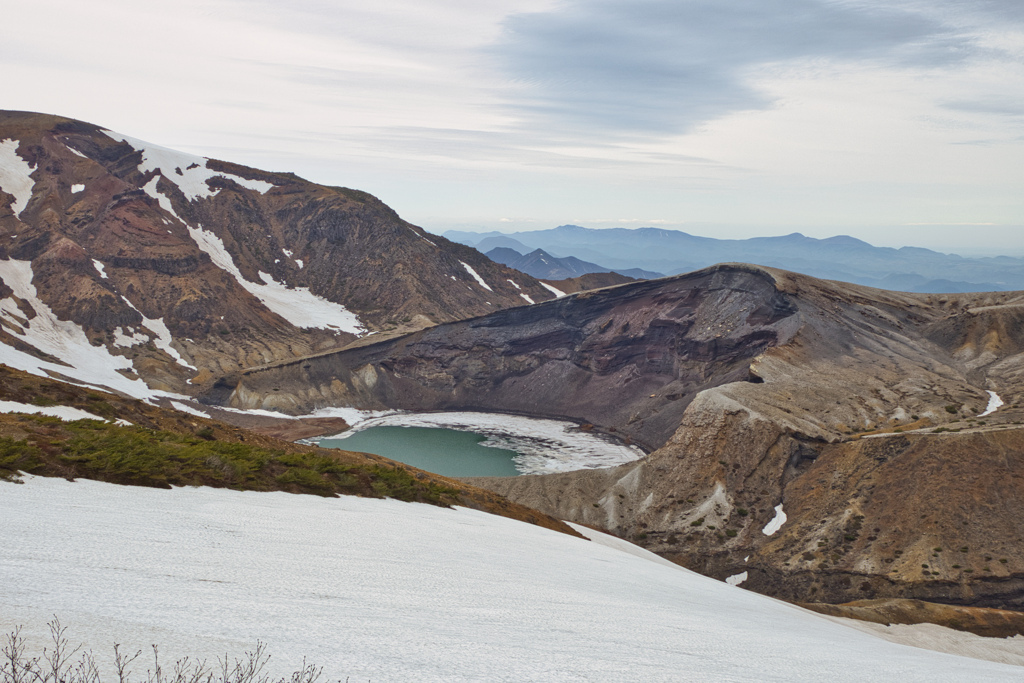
(627, 359)
(812, 440)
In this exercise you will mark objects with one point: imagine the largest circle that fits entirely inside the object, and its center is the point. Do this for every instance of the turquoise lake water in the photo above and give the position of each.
(446, 452)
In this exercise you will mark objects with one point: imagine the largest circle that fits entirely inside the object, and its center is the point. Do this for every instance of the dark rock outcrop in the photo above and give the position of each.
(627, 359)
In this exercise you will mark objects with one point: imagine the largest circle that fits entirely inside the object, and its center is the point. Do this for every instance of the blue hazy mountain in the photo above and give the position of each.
(845, 258)
(542, 265)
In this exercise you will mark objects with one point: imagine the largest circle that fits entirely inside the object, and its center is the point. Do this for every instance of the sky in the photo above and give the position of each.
(900, 122)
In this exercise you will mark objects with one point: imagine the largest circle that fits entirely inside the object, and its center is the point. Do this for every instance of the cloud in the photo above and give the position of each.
(1002, 106)
(665, 66)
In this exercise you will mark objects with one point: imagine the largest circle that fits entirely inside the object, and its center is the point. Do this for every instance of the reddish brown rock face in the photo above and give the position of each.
(96, 197)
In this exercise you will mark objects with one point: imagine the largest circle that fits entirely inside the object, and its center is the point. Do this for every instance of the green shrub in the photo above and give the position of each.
(306, 479)
(147, 457)
(17, 456)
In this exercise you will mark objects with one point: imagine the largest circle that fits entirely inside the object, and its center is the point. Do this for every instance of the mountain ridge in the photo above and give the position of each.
(840, 257)
(544, 266)
(175, 268)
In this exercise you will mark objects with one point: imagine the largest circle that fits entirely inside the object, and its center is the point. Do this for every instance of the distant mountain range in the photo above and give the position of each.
(542, 265)
(844, 258)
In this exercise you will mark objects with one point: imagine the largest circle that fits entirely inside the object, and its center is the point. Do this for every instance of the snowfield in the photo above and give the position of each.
(381, 590)
(544, 446)
(15, 175)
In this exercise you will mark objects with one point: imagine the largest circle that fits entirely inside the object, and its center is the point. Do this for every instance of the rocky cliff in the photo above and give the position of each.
(627, 359)
(814, 440)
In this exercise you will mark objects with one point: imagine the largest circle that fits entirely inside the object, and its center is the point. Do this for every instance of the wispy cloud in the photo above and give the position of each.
(664, 66)
(1003, 106)
(791, 113)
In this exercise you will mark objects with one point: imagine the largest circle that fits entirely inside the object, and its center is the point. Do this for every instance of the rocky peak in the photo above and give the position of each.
(235, 266)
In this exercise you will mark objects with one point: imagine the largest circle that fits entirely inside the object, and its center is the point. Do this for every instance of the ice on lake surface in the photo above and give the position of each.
(382, 590)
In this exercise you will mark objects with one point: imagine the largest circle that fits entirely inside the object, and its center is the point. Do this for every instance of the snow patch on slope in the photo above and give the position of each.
(15, 175)
(554, 290)
(353, 416)
(165, 203)
(297, 305)
(59, 338)
(123, 340)
(994, 404)
(477, 276)
(75, 189)
(187, 171)
(737, 579)
(99, 268)
(163, 340)
(384, 590)
(66, 413)
(185, 408)
(163, 335)
(773, 526)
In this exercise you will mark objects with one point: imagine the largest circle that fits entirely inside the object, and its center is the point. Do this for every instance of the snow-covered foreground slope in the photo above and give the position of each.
(389, 591)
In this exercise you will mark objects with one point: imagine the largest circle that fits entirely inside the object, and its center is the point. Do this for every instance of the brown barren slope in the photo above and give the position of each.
(754, 388)
(97, 199)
